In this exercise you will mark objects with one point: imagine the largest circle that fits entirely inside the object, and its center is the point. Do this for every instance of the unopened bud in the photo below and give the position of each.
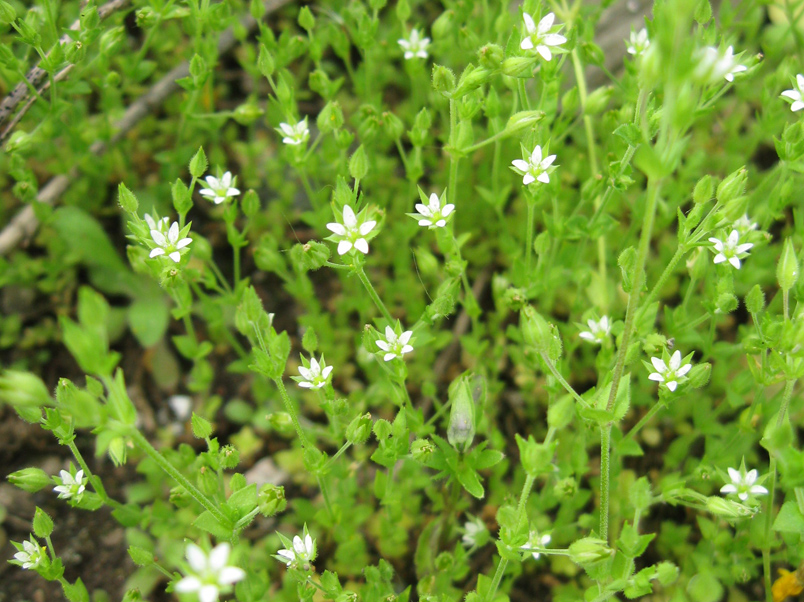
(30, 479)
(461, 429)
(589, 550)
(271, 499)
(359, 429)
(727, 508)
(443, 80)
(787, 269)
(523, 120)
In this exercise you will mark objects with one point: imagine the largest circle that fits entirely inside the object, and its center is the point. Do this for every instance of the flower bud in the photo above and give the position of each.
(330, 118)
(787, 268)
(461, 429)
(30, 479)
(251, 204)
(281, 422)
(247, 113)
(146, 17)
(732, 187)
(444, 25)
(29, 34)
(421, 449)
(589, 550)
(306, 19)
(727, 508)
(271, 499)
(359, 429)
(443, 80)
(20, 141)
(755, 300)
(42, 523)
(598, 100)
(518, 66)
(471, 79)
(491, 56)
(358, 164)
(539, 333)
(7, 13)
(23, 389)
(523, 120)
(703, 189)
(229, 457)
(492, 106)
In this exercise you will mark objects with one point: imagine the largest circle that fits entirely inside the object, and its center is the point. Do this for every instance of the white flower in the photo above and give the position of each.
(162, 225)
(219, 189)
(294, 134)
(301, 552)
(536, 541)
(314, 377)
(393, 345)
(638, 43)
(539, 37)
(796, 94)
(669, 376)
(414, 46)
(473, 531)
(744, 225)
(535, 168)
(30, 555)
(598, 331)
(209, 573)
(351, 233)
(71, 486)
(712, 65)
(432, 215)
(169, 245)
(729, 250)
(742, 483)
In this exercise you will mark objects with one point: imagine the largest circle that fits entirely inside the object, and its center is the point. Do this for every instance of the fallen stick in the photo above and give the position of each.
(37, 74)
(24, 224)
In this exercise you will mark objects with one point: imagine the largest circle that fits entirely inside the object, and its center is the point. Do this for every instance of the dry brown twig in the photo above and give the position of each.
(36, 75)
(24, 224)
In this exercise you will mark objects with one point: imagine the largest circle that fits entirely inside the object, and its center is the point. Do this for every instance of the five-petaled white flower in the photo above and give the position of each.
(169, 245)
(294, 134)
(638, 43)
(795, 94)
(742, 483)
(535, 168)
(30, 554)
(393, 345)
(71, 486)
(300, 553)
(352, 232)
(536, 541)
(474, 532)
(314, 377)
(730, 249)
(712, 65)
(209, 574)
(539, 37)
(433, 215)
(598, 331)
(669, 376)
(414, 46)
(220, 190)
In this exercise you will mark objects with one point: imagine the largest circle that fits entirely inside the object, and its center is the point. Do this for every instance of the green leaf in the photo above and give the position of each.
(243, 500)
(207, 522)
(470, 480)
(42, 523)
(76, 592)
(140, 556)
(789, 519)
(149, 319)
(198, 164)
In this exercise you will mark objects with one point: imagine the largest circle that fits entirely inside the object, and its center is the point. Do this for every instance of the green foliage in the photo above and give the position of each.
(545, 357)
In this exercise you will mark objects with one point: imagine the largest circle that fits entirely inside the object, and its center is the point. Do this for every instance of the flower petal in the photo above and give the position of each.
(527, 44)
(519, 164)
(362, 246)
(196, 557)
(530, 24)
(231, 574)
(336, 228)
(349, 218)
(344, 246)
(218, 556)
(188, 584)
(366, 227)
(658, 364)
(544, 51)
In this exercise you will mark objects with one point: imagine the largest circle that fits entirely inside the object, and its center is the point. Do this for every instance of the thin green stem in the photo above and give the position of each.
(558, 376)
(453, 158)
(94, 479)
(322, 484)
(337, 455)
(766, 560)
(644, 420)
(654, 186)
(140, 441)
(605, 475)
(291, 409)
(503, 563)
(495, 138)
(373, 294)
(213, 266)
(529, 234)
(679, 254)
